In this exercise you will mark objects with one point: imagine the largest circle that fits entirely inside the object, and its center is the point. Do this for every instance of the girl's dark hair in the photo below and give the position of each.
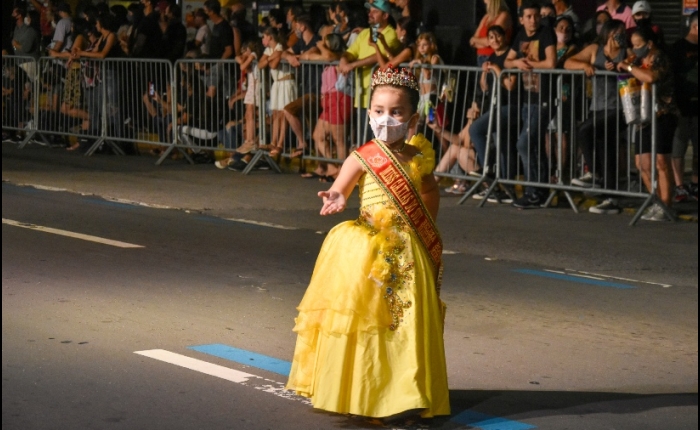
(107, 22)
(80, 26)
(411, 28)
(497, 29)
(609, 28)
(527, 5)
(647, 34)
(273, 33)
(256, 47)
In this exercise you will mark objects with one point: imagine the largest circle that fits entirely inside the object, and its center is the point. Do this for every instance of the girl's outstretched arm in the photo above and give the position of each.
(335, 199)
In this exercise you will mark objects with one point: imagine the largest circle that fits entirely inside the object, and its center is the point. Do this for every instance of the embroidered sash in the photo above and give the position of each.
(394, 181)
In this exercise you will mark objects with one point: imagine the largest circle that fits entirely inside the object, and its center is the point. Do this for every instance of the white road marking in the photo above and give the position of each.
(198, 365)
(576, 275)
(617, 278)
(71, 234)
(446, 252)
(262, 224)
(247, 379)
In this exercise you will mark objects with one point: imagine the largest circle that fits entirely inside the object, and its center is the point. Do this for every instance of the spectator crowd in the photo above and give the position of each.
(299, 82)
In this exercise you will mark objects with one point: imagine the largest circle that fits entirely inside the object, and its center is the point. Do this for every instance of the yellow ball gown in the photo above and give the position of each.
(370, 326)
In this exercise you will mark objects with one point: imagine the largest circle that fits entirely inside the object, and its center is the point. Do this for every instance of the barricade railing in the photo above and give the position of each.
(555, 131)
(562, 132)
(20, 104)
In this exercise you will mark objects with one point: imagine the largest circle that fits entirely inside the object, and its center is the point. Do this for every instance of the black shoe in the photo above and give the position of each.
(529, 201)
(238, 166)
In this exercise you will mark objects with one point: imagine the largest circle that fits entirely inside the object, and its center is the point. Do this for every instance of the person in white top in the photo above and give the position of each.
(203, 36)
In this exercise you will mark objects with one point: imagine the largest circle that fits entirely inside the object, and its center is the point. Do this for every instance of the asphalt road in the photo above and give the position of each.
(529, 344)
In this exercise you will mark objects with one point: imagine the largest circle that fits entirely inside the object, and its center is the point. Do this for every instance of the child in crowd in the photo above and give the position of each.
(426, 56)
(283, 90)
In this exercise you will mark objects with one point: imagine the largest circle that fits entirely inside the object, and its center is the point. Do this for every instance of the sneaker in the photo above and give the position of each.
(478, 173)
(529, 201)
(694, 191)
(238, 166)
(607, 207)
(655, 213)
(481, 195)
(588, 180)
(499, 196)
(222, 164)
(682, 194)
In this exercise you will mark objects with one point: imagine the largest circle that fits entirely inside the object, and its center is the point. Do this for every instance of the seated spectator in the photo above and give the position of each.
(406, 32)
(460, 150)
(652, 66)
(283, 90)
(684, 56)
(336, 104)
(16, 91)
(618, 10)
(534, 48)
(307, 105)
(497, 13)
(479, 130)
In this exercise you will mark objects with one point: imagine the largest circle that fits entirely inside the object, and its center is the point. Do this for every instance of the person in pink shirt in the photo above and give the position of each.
(619, 10)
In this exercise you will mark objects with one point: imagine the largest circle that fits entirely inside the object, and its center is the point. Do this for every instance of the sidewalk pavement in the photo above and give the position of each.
(553, 237)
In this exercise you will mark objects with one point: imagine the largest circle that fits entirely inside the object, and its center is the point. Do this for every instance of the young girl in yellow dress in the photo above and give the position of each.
(370, 326)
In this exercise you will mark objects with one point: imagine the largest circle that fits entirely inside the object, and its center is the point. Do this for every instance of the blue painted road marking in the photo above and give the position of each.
(578, 279)
(486, 422)
(469, 418)
(246, 357)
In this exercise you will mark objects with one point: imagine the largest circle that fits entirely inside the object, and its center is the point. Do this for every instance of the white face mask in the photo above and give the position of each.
(388, 129)
(27, 21)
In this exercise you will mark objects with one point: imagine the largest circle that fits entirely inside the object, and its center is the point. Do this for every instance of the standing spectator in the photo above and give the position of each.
(62, 36)
(564, 8)
(279, 22)
(175, 33)
(292, 14)
(336, 101)
(409, 9)
(652, 66)
(618, 10)
(203, 36)
(25, 40)
(684, 58)
(283, 90)
(406, 32)
(221, 44)
(148, 43)
(307, 105)
(497, 13)
(46, 19)
(427, 57)
(595, 26)
(362, 57)
(243, 30)
(599, 134)
(127, 40)
(641, 13)
(534, 48)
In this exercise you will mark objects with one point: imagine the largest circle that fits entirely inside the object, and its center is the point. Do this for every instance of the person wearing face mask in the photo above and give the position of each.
(62, 38)
(175, 34)
(652, 66)
(370, 325)
(597, 137)
(25, 39)
(594, 27)
(641, 13)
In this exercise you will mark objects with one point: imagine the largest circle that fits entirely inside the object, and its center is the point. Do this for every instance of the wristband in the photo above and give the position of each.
(629, 68)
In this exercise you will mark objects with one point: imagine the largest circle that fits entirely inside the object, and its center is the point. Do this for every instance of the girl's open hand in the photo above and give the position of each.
(333, 202)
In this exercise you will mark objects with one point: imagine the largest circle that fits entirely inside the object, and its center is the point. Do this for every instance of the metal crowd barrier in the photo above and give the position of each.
(20, 106)
(537, 135)
(546, 135)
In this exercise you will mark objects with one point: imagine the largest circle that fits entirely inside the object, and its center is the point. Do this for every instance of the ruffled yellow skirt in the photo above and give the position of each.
(347, 359)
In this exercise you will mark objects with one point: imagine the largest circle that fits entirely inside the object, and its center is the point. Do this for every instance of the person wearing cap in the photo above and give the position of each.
(62, 39)
(619, 10)
(641, 14)
(362, 57)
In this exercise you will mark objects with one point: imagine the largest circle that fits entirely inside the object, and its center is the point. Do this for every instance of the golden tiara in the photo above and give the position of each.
(397, 77)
